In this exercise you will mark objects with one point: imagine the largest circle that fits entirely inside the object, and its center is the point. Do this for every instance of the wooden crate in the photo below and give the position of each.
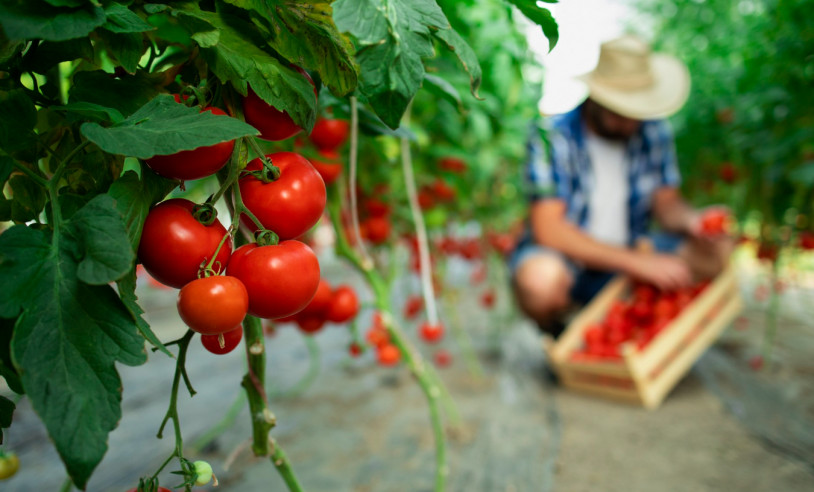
(646, 376)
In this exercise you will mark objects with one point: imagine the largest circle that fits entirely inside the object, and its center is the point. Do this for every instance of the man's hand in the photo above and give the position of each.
(667, 272)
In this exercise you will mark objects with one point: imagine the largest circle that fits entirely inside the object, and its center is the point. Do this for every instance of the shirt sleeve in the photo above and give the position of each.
(666, 156)
(546, 170)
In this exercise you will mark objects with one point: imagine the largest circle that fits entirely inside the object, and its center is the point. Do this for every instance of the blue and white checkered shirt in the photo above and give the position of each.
(565, 171)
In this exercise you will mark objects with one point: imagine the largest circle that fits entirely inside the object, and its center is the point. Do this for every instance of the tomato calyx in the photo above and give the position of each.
(205, 213)
(267, 174)
(265, 237)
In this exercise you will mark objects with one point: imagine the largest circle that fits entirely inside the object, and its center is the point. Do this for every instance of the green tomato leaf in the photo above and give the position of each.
(237, 58)
(122, 19)
(28, 198)
(540, 16)
(98, 230)
(69, 334)
(394, 36)
(18, 116)
(443, 89)
(7, 370)
(127, 291)
(34, 19)
(305, 34)
(91, 111)
(135, 196)
(6, 413)
(6, 166)
(126, 93)
(162, 127)
(467, 57)
(50, 53)
(126, 48)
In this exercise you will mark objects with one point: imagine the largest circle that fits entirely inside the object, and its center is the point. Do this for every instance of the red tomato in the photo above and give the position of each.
(231, 339)
(173, 244)
(344, 305)
(355, 349)
(376, 208)
(329, 134)
(807, 240)
(213, 305)
(756, 362)
(645, 293)
(196, 163)
(310, 323)
(502, 243)
(272, 123)
(290, 205)
(713, 222)
(442, 358)
(388, 355)
(377, 229)
(594, 336)
(767, 251)
(425, 200)
(487, 299)
(665, 309)
(413, 306)
(729, 174)
(452, 164)
(329, 170)
(320, 302)
(470, 249)
(377, 336)
(281, 280)
(641, 311)
(443, 191)
(431, 333)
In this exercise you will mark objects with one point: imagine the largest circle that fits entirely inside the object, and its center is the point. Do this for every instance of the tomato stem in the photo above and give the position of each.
(207, 270)
(354, 206)
(240, 208)
(270, 172)
(31, 174)
(254, 384)
(280, 461)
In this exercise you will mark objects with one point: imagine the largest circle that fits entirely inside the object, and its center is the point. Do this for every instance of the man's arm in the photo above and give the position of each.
(673, 213)
(550, 228)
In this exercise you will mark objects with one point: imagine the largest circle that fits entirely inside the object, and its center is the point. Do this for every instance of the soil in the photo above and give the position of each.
(362, 428)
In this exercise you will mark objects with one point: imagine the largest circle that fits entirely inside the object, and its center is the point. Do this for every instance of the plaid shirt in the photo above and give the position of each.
(566, 172)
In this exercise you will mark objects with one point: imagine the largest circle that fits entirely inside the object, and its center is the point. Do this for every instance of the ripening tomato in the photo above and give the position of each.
(196, 163)
(388, 355)
(377, 336)
(376, 208)
(329, 134)
(173, 244)
(425, 199)
(9, 464)
(413, 306)
(310, 323)
(452, 164)
(431, 333)
(281, 279)
(377, 229)
(320, 302)
(344, 305)
(272, 123)
(290, 205)
(443, 191)
(213, 305)
(442, 358)
(231, 339)
(330, 168)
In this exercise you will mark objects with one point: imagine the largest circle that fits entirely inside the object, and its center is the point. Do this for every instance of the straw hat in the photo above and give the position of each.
(631, 80)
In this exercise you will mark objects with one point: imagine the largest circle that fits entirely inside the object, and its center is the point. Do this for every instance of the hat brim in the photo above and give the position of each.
(667, 94)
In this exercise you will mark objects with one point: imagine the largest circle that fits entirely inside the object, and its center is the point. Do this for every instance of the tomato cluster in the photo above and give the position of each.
(377, 336)
(338, 305)
(637, 320)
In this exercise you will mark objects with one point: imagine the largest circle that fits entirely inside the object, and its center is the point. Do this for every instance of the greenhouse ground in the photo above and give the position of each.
(362, 428)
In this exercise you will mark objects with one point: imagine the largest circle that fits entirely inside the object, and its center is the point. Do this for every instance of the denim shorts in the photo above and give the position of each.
(587, 282)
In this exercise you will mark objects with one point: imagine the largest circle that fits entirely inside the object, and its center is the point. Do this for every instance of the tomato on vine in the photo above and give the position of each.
(231, 339)
(329, 134)
(289, 205)
(196, 163)
(320, 302)
(388, 355)
(9, 464)
(273, 124)
(431, 333)
(330, 168)
(377, 229)
(344, 305)
(174, 243)
(213, 305)
(281, 279)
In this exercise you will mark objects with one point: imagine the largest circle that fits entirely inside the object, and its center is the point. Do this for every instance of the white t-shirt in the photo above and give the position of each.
(610, 190)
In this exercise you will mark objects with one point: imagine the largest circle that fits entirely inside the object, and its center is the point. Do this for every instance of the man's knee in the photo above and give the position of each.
(542, 283)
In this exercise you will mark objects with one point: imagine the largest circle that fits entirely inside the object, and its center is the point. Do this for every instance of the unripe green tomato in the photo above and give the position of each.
(9, 464)
(437, 217)
(203, 470)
